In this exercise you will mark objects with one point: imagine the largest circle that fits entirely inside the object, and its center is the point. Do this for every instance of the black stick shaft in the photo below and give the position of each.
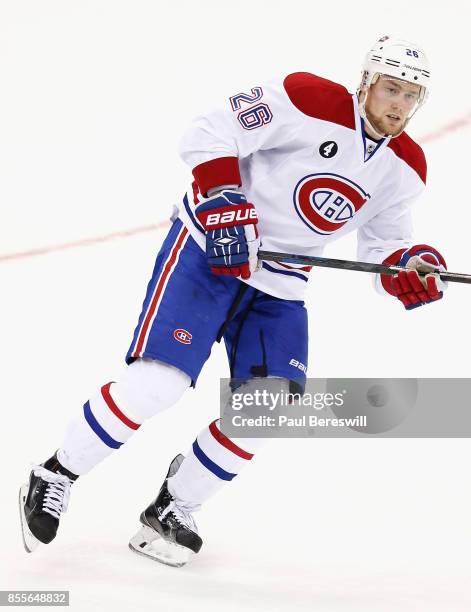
(345, 264)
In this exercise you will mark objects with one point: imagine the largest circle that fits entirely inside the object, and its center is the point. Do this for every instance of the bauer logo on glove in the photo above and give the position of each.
(228, 218)
(232, 239)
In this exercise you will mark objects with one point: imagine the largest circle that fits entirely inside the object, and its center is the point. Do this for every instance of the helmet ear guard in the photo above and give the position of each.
(398, 59)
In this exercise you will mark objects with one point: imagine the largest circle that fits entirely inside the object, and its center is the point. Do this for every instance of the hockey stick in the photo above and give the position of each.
(345, 264)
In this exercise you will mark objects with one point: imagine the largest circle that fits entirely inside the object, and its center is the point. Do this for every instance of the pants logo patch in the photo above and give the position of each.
(183, 336)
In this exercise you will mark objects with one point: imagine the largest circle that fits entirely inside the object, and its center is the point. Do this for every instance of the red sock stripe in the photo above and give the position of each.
(105, 392)
(155, 299)
(221, 438)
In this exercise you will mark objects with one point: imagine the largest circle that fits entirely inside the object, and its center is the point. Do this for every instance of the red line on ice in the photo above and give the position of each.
(83, 242)
(462, 122)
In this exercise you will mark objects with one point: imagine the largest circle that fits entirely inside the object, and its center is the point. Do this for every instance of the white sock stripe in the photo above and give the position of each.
(219, 454)
(113, 426)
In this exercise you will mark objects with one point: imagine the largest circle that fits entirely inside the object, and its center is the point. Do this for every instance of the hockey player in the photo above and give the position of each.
(297, 163)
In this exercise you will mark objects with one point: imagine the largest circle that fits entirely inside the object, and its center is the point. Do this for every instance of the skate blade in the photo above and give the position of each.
(150, 544)
(29, 541)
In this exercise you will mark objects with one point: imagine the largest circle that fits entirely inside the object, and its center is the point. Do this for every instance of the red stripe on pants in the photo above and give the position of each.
(150, 312)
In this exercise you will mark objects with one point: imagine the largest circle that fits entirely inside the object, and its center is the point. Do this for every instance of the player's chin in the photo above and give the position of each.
(393, 127)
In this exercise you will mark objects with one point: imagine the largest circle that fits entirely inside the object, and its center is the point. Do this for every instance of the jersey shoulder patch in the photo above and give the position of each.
(320, 98)
(410, 152)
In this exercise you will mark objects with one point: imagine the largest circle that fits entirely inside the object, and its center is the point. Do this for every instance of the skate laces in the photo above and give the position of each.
(57, 494)
(182, 513)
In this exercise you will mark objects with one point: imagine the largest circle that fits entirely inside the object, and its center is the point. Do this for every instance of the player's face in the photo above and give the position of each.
(389, 103)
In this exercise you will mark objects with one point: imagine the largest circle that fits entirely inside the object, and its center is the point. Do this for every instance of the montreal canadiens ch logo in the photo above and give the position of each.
(183, 336)
(325, 202)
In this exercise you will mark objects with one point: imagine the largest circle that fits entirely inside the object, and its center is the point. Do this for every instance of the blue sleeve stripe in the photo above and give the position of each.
(191, 215)
(98, 429)
(210, 465)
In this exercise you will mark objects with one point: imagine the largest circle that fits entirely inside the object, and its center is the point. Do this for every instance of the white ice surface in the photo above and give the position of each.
(94, 98)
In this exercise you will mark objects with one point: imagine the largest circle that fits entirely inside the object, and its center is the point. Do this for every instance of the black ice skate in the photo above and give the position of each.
(168, 533)
(42, 500)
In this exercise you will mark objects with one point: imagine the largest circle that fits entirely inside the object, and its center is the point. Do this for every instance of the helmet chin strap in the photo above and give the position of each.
(371, 128)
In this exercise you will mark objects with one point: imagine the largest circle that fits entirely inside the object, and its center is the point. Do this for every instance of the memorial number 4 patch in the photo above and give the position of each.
(328, 149)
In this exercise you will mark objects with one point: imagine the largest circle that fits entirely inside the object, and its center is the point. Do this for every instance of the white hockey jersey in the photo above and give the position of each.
(297, 147)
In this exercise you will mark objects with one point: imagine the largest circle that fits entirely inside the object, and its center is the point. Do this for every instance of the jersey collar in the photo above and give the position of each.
(361, 137)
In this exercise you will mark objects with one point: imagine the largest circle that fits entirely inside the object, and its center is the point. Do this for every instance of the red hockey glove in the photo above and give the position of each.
(410, 288)
(232, 239)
